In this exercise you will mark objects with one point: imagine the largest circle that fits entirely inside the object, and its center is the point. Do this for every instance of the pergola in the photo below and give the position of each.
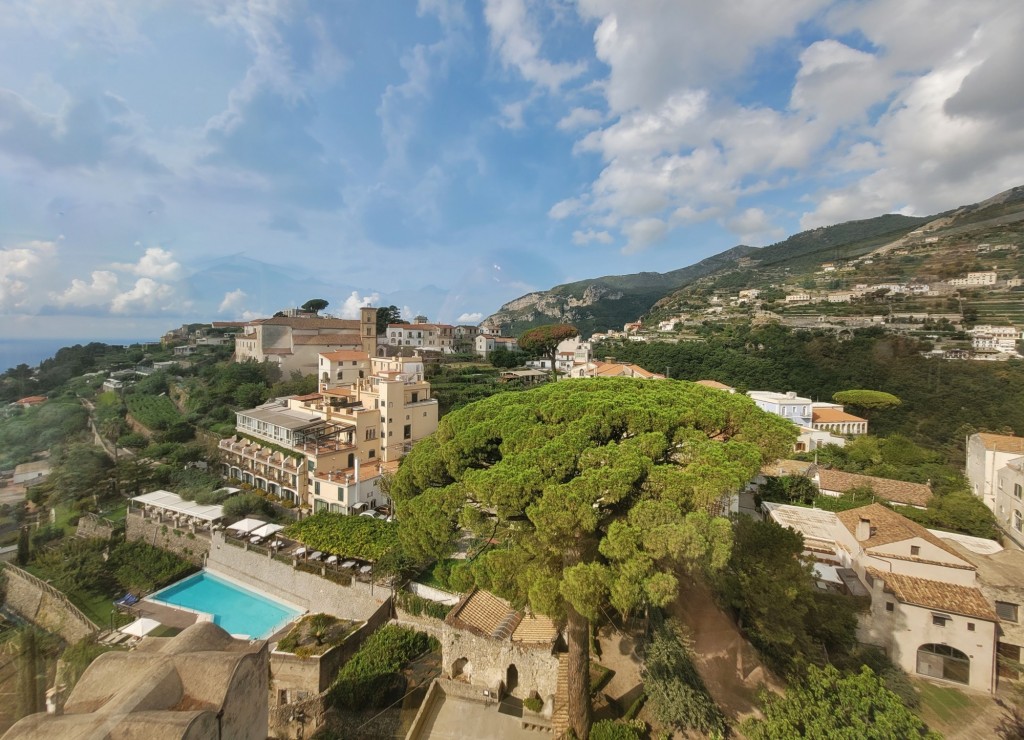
(175, 504)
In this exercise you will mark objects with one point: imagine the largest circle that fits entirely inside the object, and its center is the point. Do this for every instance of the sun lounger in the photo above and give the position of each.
(128, 599)
(332, 560)
(365, 569)
(349, 564)
(316, 555)
(300, 552)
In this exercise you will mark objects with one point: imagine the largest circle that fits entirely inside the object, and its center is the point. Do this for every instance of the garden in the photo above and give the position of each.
(350, 536)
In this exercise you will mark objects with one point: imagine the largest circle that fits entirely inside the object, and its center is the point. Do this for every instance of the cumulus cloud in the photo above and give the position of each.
(101, 288)
(155, 263)
(233, 300)
(517, 41)
(355, 301)
(579, 118)
(470, 318)
(20, 266)
(588, 236)
(754, 227)
(147, 296)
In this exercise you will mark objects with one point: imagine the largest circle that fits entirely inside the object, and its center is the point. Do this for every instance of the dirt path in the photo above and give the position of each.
(728, 663)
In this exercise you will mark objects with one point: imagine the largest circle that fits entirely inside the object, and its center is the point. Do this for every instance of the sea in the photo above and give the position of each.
(14, 352)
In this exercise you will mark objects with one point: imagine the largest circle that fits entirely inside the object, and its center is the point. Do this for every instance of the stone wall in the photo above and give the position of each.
(165, 535)
(484, 662)
(299, 719)
(433, 594)
(45, 606)
(357, 602)
(313, 675)
(91, 526)
(421, 623)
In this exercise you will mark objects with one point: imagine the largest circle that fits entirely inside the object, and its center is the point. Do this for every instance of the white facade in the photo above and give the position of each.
(975, 279)
(437, 337)
(484, 344)
(787, 405)
(986, 455)
(1009, 500)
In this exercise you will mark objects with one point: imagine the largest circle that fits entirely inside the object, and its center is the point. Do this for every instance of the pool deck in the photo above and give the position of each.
(165, 615)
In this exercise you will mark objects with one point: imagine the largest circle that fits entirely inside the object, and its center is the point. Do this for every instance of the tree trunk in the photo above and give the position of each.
(578, 679)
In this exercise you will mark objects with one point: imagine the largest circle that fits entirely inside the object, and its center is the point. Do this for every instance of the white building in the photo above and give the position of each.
(485, 344)
(787, 405)
(986, 455)
(435, 337)
(975, 279)
(927, 610)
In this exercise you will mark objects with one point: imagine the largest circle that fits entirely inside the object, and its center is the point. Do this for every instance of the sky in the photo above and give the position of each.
(184, 160)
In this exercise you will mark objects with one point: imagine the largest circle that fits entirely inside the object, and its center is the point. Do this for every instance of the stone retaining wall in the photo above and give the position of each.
(182, 542)
(357, 602)
(91, 526)
(45, 606)
(430, 625)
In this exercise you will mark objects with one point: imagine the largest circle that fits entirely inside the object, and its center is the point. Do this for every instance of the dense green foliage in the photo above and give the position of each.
(388, 315)
(102, 567)
(247, 504)
(417, 605)
(39, 428)
(155, 412)
(370, 675)
(352, 536)
(678, 696)
(772, 592)
(543, 341)
(828, 704)
(609, 729)
(142, 568)
(866, 399)
(597, 490)
(975, 396)
(67, 363)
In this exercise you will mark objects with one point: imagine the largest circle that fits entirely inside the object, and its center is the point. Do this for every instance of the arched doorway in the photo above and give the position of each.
(945, 662)
(511, 679)
(462, 670)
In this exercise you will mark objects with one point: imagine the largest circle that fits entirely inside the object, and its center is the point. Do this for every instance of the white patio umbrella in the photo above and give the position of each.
(266, 530)
(246, 525)
(140, 627)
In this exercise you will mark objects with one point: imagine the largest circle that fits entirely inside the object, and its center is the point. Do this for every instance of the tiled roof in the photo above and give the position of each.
(326, 339)
(888, 527)
(483, 613)
(345, 354)
(1001, 442)
(832, 416)
(31, 399)
(947, 597)
(303, 322)
(780, 468)
(897, 491)
(715, 384)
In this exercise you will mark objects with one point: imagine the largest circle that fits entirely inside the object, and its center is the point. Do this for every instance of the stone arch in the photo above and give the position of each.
(511, 679)
(462, 670)
(936, 660)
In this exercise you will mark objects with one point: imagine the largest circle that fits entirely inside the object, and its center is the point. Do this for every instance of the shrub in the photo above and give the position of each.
(353, 536)
(140, 567)
(534, 704)
(608, 729)
(49, 533)
(417, 605)
(372, 673)
(244, 504)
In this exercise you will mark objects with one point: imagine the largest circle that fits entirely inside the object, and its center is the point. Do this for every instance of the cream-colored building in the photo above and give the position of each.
(975, 279)
(986, 454)
(927, 610)
(435, 337)
(295, 343)
(335, 443)
(342, 367)
(609, 368)
(198, 685)
(832, 417)
(485, 344)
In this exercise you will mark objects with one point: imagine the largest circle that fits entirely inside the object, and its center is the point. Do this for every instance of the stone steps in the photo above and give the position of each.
(560, 711)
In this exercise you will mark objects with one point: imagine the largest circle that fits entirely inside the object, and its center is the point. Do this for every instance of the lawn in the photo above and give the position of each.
(948, 711)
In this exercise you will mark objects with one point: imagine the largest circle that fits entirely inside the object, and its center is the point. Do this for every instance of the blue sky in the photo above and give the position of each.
(163, 162)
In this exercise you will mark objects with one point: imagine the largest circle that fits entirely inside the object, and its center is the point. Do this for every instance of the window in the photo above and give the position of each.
(943, 661)
(373, 453)
(915, 550)
(1018, 521)
(889, 606)
(316, 487)
(1017, 490)
(970, 626)
(1006, 611)
(407, 431)
(939, 621)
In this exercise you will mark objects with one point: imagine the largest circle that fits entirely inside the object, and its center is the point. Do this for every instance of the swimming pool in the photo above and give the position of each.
(239, 610)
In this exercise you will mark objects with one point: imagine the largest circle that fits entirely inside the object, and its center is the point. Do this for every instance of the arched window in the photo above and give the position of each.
(943, 661)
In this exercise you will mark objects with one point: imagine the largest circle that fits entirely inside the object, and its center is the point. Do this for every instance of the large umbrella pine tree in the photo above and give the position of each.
(596, 491)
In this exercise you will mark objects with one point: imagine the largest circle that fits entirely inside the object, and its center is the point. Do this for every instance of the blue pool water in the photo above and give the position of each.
(238, 610)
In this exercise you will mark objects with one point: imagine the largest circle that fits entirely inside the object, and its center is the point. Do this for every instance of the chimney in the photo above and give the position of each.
(790, 394)
(863, 529)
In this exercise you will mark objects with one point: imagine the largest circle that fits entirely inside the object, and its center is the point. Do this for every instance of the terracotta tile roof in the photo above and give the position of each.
(715, 384)
(889, 527)
(345, 354)
(947, 597)
(897, 491)
(29, 400)
(1001, 442)
(307, 397)
(832, 416)
(780, 468)
(304, 322)
(325, 339)
(483, 613)
(620, 369)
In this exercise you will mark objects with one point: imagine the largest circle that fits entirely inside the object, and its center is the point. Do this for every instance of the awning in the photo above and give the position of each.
(140, 627)
(174, 503)
(266, 530)
(247, 525)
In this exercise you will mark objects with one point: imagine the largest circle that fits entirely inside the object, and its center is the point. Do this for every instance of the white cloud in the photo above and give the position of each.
(580, 118)
(101, 288)
(350, 308)
(155, 263)
(754, 227)
(588, 236)
(145, 297)
(20, 267)
(470, 318)
(643, 233)
(517, 41)
(233, 300)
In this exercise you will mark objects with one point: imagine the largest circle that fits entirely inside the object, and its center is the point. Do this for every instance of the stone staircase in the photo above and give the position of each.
(560, 711)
